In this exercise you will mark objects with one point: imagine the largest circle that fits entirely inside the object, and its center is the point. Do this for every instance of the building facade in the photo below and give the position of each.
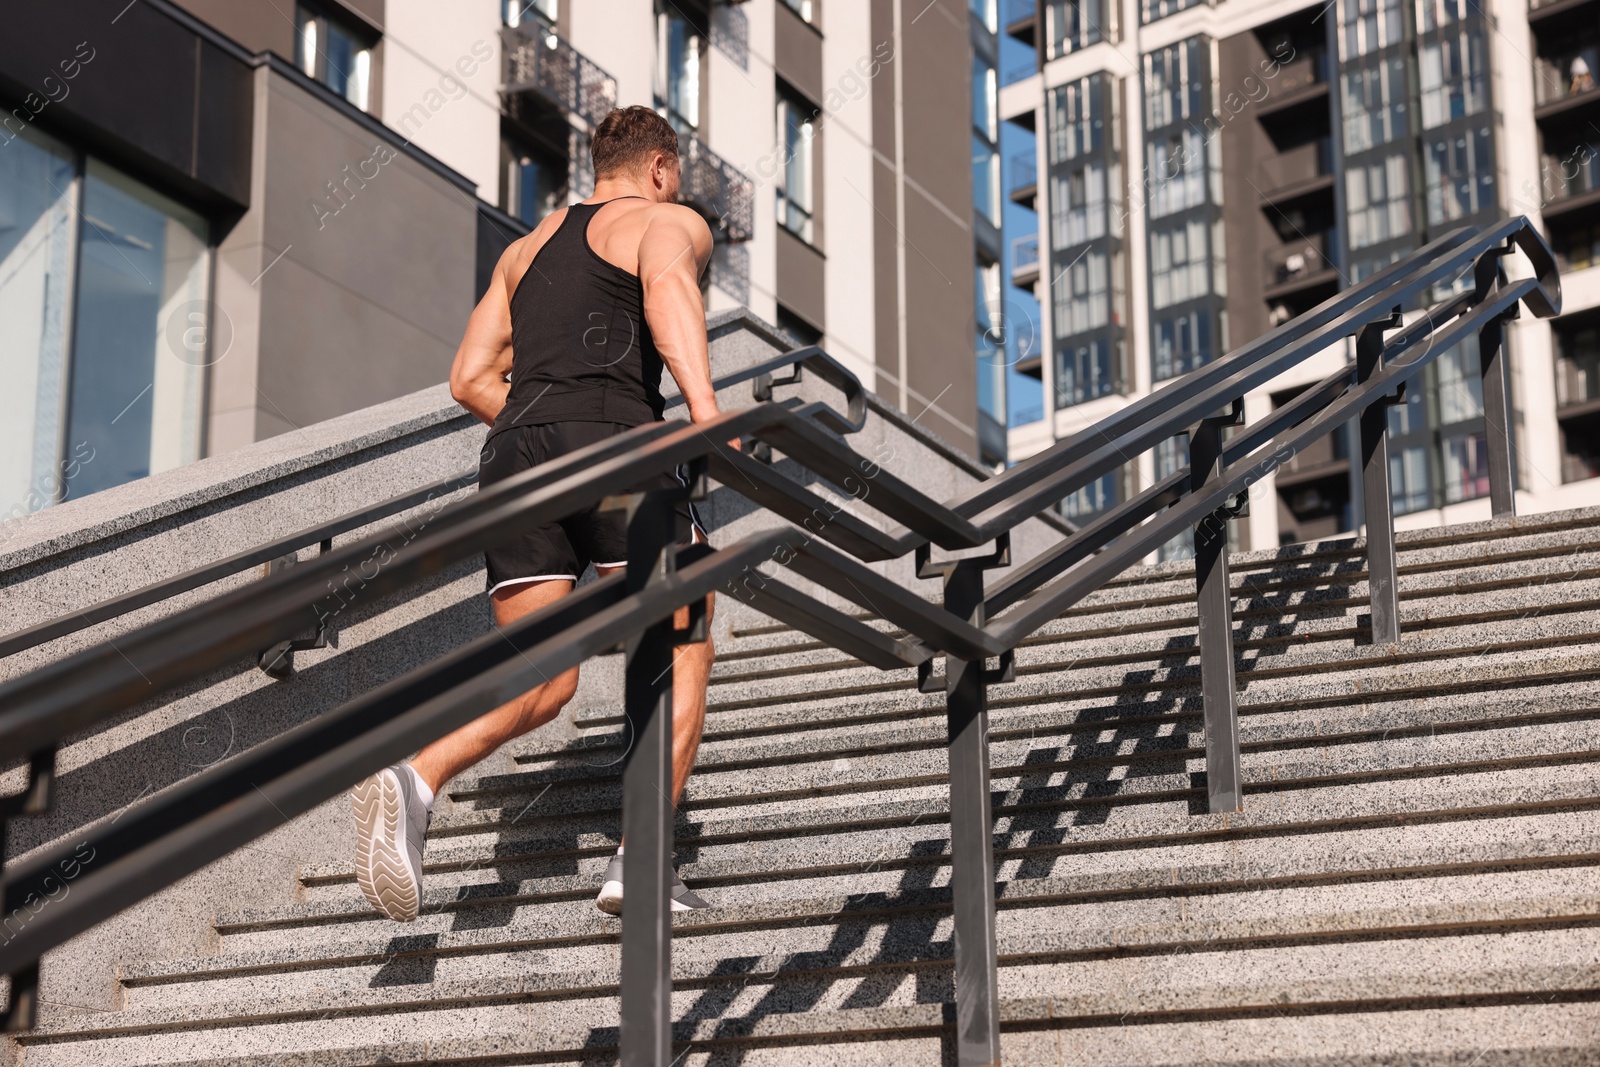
(1203, 172)
(221, 221)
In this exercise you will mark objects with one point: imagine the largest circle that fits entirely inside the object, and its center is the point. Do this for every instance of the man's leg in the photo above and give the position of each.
(691, 671)
(394, 807)
(474, 742)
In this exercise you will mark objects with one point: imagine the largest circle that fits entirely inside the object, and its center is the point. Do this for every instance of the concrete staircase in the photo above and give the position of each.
(1413, 880)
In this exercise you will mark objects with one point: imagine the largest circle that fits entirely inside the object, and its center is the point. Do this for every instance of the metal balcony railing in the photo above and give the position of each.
(187, 826)
(1024, 169)
(717, 189)
(1577, 379)
(1571, 172)
(536, 60)
(1025, 254)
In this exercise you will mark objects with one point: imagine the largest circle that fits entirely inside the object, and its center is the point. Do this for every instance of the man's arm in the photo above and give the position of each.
(674, 250)
(478, 375)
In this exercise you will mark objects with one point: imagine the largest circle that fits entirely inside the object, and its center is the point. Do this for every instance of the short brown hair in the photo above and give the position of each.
(630, 136)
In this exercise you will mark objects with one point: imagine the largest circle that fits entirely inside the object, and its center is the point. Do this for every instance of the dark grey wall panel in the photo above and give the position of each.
(136, 99)
(800, 279)
(797, 53)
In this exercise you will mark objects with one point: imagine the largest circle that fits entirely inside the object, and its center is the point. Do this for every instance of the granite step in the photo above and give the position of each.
(866, 934)
(1058, 732)
(1133, 988)
(739, 872)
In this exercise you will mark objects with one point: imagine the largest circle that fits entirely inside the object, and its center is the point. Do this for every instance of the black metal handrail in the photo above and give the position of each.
(812, 358)
(237, 800)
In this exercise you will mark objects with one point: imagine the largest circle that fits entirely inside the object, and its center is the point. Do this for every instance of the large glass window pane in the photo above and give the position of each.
(1172, 85)
(1368, 25)
(1408, 479)
(796, 129)
(1073, 24)
(985, 99)
(1378, 202)
(1374, 104)
(989, 341)
(1451, 73)
(986, 179)
(1078, 206)
(1182, 343)
(1076, 125)
(1179, 266)
(1176, 171)
(136, 379)
(36, 222)
(680, 46)
(1082, 292)
(1459, 171)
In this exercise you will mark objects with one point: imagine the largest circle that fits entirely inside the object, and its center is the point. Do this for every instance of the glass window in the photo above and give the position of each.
(36, 255)
(1176, 171)
(1408, 479)
(334, 54)
(681, 45)
(1082, 292)
(1088, 370)
(804, 8)
(515, 12)
(796, 131)
(1172, 455)
(536, 182)
(1377, 199)
(1077, 125)
(1179, 266)
(986, 179)
(1365, 26)
(103, 337)
(1374, 104)
(1182, 343)
(1078, 206)
(1451, 74)
(985, 99)
(1173, 89)
(1458, 169)
(1073, 24)
(1097, 496)
(1151, 10)
(1432, 14)
(989, 342)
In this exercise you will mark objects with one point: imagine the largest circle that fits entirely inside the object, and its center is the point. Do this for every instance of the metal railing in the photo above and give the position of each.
(1024, 170)
(1296, 259)
(1025, 254)
(717, 189)
(538, 60)
(229, 804)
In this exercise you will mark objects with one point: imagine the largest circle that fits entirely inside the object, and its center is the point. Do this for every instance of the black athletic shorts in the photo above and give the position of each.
(563, 549)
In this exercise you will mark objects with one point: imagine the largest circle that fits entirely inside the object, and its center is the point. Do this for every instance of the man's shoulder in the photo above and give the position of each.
(676, 215)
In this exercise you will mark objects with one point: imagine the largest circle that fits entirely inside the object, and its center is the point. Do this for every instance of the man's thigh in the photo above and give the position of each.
(512, 602)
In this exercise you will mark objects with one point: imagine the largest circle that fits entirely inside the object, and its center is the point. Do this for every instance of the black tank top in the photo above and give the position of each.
(581, 349)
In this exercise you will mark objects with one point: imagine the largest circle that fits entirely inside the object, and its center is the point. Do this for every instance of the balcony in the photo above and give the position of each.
(1296, 173)
(1564, 82)
(1299, 82)
(1023, 178)
(1578, 382)
(715, 188)
(538, 61)
(1571, 179)
(1297, 264)
(1025, 261)
(1019, 18)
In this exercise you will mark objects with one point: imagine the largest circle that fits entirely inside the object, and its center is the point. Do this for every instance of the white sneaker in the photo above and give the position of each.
(610, 899)
(391, 831)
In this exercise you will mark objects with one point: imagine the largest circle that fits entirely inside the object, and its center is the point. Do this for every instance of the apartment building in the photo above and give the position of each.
(221, 220)
(1196, 173)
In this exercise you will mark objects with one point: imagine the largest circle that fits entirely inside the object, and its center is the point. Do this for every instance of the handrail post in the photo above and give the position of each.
(1497, 415)
(1214, 608)
(646, 986)
(977, 1035)
(1383, 593)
